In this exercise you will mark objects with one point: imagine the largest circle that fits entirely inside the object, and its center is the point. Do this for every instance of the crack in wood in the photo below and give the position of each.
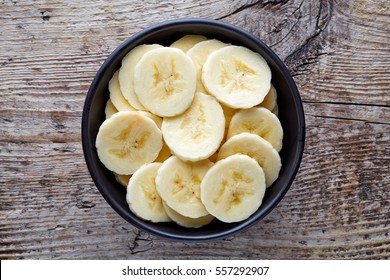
(298, 9)
(260, 2)
(345, 104)
(345, 118)
(139, 241)
(85, 204)
(311, 45)
(57, 227)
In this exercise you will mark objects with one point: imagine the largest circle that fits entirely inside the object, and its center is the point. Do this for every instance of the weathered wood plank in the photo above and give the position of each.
(346, 111)
(338, 52)
(329, 47)
(348, 206)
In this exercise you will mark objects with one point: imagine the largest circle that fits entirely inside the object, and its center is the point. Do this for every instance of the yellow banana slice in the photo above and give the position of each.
(142, 196)
(270, 100)
(128, 140)
(157, 120)
(116, 95)
(228, 113)
(165, 152)
(233, 189)
(187, 42)
(178, 183)
(275, 110)
(110, 109)
(199, 54)
(260, 121)
(197, 133)
(255, 147)
(126, 73)
(165, 81)
(122, 179)
(237, 76)
(214, 157)
(186, 221)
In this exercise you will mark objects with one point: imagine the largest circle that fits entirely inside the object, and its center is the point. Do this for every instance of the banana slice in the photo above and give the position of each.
(199, 54)
(186, 221)
(233, 189)
(126, 73)
(157, 120)
(178, 183)
(275, 110)
(110, 109)
(122, 179)
(270, 100)
(116, 95)
(237, 76)
(187, 42)
(197, 133)
(255, 147)
(228, 113)
(142, 196)
(165, 81)
(128, 140)
(214, 157)
(260, 121)
(165, 152)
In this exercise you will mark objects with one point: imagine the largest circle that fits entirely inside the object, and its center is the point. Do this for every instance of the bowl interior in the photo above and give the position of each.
(290, 115)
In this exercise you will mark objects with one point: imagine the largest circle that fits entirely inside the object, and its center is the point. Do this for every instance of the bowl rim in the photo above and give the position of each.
(297, 156)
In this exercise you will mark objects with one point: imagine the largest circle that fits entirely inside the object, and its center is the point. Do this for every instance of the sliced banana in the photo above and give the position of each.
(164, 154)
(199, 54)
(260, 121)
(237, 76)
(178, 183)
(214, 157)
(128, 140)
(142, 196)
(255, 147)
(165, 81)
(157, 120)
(233, 189)
(197, 133)
(122, 179)
(165, 151)
(187, 42)
(116, 95)
(192, 131)
(110, 109)
(275, 110)
(228, 113)
(270, 100)
(186, 221)
(126, 73)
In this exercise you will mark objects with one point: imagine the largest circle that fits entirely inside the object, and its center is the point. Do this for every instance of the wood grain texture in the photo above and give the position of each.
(339, 54)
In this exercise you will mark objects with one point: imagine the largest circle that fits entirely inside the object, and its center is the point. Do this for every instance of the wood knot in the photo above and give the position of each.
(58, 119)
(45, 15)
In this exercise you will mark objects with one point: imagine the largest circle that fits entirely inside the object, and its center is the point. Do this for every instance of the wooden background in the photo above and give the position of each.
(339, 54)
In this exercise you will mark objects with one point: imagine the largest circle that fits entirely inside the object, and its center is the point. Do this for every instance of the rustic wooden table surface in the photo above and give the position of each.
(338, 52)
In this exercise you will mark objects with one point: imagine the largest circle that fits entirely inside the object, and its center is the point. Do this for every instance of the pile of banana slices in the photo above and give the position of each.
(192, 131)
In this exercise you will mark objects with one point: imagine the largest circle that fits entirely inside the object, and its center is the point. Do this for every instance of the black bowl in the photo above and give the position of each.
(290, 114)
